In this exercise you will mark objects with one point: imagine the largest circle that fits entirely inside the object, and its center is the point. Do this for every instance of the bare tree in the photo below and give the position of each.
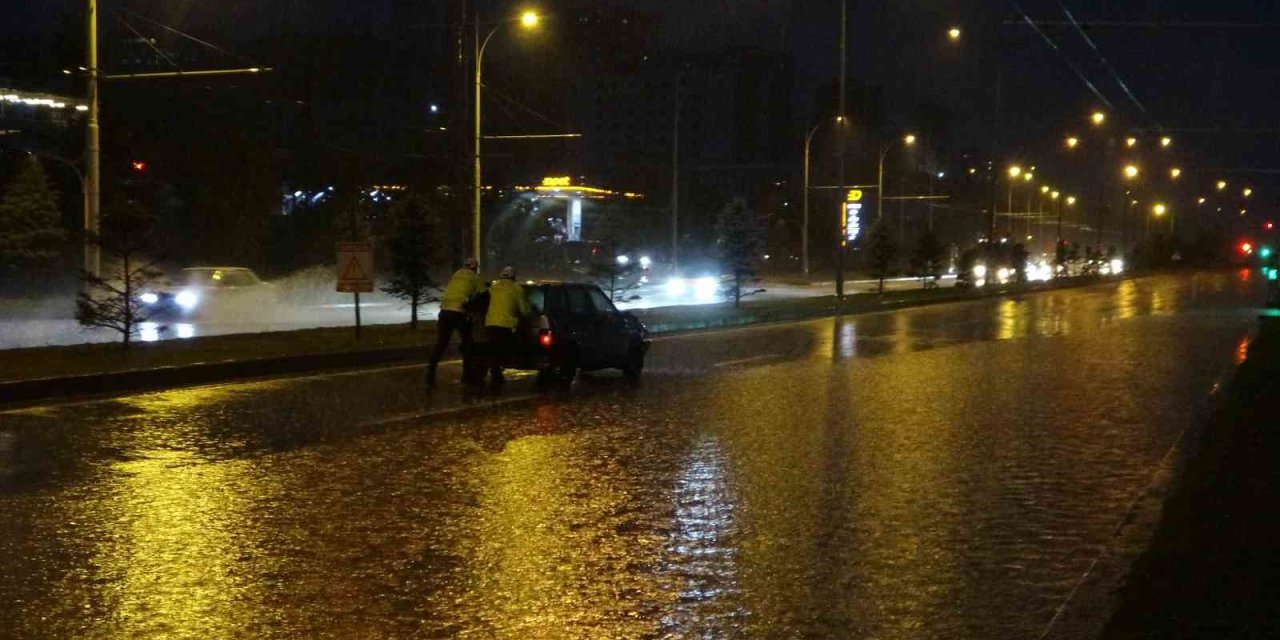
(112, 300)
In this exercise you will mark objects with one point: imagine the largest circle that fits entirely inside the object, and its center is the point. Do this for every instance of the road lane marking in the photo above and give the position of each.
(411, 416)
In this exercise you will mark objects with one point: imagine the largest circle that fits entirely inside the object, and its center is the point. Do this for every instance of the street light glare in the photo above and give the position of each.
(1015, 171)
(1073, 142)
(1130, 171)
(1130, 142)
(909, 139)
(1071, 200)
(1222, 184)
(1044, 188)
(1175, 173)
(1159, 209)
(1098, 117)
(1028, 176)
(1166, 141)
(954, 33)
(1201, 201)
(1055, 195)
(1247, 192)
(529, 19)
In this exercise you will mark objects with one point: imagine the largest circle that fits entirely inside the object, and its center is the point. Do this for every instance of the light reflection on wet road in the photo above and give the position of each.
(948, 471)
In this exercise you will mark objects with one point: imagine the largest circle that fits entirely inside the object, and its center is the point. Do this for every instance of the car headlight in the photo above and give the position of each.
(187, 300)
(676, 287)
(149, 298)
(705, 288)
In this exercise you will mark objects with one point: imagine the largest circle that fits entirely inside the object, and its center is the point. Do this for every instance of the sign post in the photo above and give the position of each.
(355, 272)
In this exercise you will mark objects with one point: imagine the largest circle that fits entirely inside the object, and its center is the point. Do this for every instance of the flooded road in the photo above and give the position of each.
(945, 472)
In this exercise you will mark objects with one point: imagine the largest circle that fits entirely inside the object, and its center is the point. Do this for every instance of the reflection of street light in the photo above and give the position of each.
(1130, 171)
(528, 20)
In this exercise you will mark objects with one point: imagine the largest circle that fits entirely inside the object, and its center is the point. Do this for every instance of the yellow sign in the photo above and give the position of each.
(558, 181)
(854, 195)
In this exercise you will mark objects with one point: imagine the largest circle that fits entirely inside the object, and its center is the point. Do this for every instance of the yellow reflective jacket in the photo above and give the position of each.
(507, 304)
(464, 285)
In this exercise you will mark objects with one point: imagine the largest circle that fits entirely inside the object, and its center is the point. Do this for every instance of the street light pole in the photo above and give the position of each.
(804, 219)
(844, 42)
(93, 149)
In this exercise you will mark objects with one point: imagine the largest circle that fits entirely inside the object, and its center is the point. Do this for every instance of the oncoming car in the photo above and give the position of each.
(202, 290)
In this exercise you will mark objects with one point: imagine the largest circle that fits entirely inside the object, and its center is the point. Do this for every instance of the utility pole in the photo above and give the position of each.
(93, 148)
(841, 245)
(675, 182)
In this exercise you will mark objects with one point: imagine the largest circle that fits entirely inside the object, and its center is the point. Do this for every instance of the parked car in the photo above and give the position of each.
(203, 290)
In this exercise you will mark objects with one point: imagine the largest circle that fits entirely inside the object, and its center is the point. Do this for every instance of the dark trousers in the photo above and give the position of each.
(502, 346)
(448, 323)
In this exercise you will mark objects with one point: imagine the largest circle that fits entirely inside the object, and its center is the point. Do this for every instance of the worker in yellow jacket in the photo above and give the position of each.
(507, 306)
(463, 287)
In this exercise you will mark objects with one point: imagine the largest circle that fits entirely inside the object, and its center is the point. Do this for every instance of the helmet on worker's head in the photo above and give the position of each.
(507, 273)
(472, 264)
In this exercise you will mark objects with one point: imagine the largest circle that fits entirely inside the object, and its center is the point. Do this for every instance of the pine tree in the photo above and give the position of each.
(31, 233)
(740, 240)
(882, 251)
(926, 261)
(417, 243)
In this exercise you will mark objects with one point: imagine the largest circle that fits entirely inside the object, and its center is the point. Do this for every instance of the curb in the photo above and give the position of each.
(27, 391)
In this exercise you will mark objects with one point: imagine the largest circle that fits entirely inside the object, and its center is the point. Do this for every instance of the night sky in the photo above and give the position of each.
(1211, 86)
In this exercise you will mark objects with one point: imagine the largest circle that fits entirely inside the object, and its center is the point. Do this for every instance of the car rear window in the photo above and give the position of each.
(535, 296)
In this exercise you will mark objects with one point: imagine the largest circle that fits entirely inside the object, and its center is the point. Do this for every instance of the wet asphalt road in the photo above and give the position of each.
(943, 472)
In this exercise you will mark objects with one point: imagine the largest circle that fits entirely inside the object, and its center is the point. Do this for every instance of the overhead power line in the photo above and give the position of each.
(1053, 45)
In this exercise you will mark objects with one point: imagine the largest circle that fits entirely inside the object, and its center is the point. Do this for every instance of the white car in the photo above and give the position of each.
(203, 290)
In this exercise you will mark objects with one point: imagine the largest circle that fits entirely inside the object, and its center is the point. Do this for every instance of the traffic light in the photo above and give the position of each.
(1264, 252)
(139, 166)
(1268, 225)
(1246, 248)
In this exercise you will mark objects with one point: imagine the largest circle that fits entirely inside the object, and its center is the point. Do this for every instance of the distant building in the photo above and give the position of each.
(37, 121)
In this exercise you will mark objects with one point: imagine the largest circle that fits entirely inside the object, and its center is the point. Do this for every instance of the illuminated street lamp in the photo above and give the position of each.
(1247, 192)
(1166, 141)
(954, 34)
(804, 224)
(907, 140)
(1044, 188)
(527, 20)
(1071, 201)
(1015, 171)
(1130, 142)
(1175, 173)
(1159, 209)
(1222, 184)
(1130, 171)
(1055, 195)
(1073, 142)
(1201, 201)
(1028, 176)
(1098, 118)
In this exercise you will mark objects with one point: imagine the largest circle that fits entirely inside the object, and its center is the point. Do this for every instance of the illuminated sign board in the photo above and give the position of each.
(558, 181)
(851, 217)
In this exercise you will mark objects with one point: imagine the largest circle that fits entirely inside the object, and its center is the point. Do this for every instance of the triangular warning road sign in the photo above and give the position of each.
(353, 270)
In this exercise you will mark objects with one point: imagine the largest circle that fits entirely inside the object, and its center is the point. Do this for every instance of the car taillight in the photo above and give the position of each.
(546, 339)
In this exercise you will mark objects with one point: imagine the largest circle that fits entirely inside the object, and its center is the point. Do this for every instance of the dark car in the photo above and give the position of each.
(576, 328)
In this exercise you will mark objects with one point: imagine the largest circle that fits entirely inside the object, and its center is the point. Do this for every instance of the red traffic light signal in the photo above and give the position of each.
(139, 166)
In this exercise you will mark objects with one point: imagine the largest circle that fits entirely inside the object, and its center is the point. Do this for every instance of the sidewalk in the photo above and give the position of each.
(1213, 568)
